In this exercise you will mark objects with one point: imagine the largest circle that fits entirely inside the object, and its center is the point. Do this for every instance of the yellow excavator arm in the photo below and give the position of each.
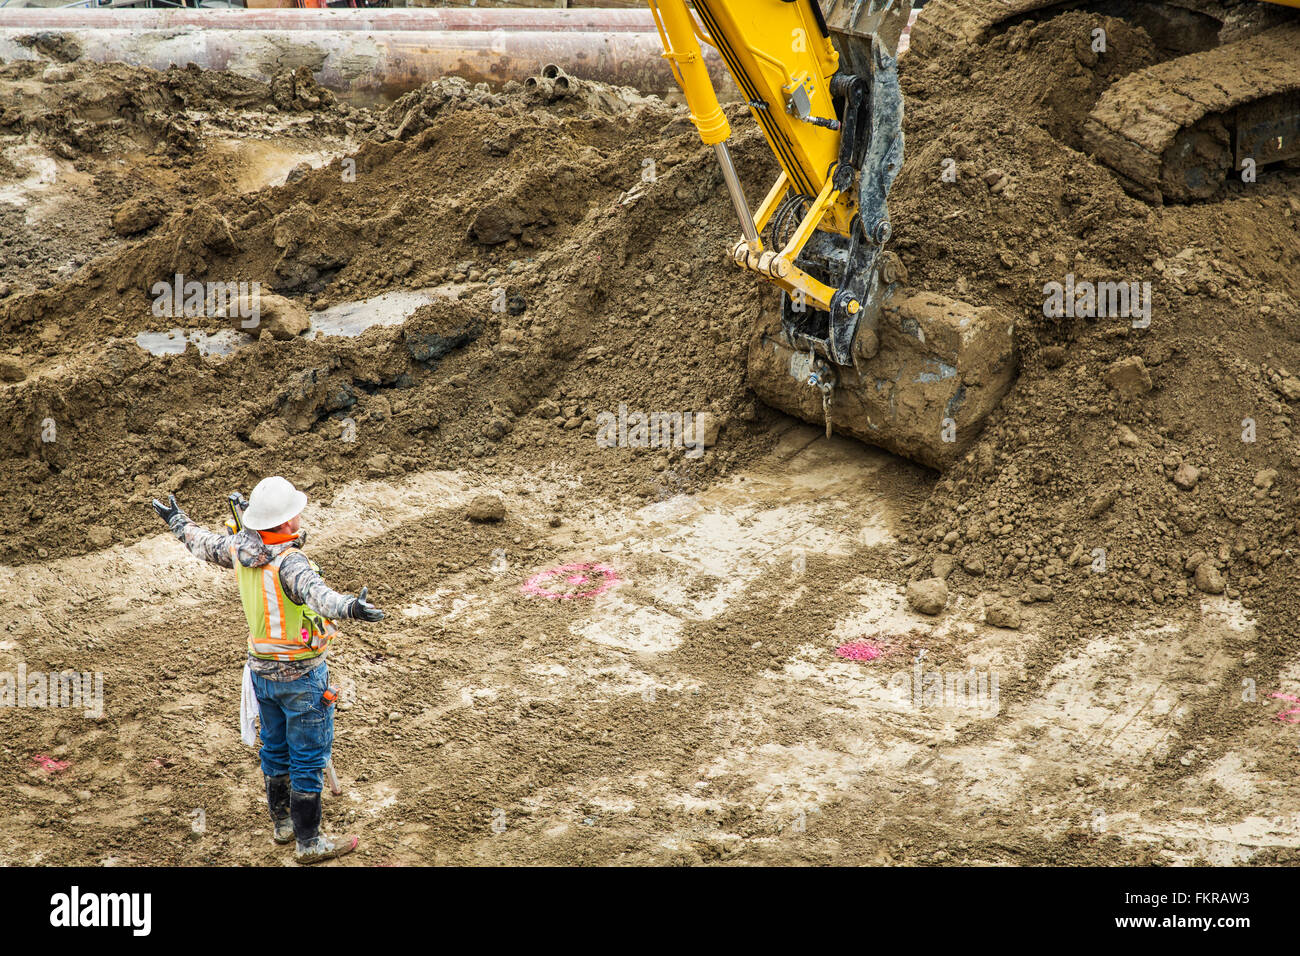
(836, 133)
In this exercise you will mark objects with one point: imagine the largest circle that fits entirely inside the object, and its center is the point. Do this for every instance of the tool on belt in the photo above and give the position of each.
(329, 698)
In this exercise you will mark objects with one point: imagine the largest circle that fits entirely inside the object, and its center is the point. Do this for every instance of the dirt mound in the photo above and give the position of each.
(569, 282)
(90, 152)
(113, 107)
(1080, 491)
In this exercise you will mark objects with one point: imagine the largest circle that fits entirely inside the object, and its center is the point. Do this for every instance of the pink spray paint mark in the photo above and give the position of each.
(49, 764)
(859, 651)
(582, 580)
(1291, 716)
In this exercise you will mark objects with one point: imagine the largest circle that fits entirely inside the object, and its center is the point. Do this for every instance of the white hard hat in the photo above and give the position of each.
(273, 502)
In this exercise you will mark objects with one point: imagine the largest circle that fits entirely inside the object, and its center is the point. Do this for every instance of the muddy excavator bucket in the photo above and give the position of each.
(912, 372)
(854, 23)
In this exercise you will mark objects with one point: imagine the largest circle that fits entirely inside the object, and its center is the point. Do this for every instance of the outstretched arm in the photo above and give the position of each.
(202, 543)
(304, 586)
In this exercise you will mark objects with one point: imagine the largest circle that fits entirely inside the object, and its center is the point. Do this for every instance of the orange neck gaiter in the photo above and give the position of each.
(276, 537)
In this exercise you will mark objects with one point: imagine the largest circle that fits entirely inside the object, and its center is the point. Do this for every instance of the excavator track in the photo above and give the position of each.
(1174, 130)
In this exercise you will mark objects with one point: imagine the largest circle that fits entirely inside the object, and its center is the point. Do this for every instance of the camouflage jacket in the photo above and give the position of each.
(301, 583)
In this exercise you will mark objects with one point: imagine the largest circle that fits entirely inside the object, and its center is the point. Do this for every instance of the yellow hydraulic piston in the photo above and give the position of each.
(782, 58)
(682, 50)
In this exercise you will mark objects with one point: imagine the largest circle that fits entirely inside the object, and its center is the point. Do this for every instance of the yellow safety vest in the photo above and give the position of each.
(278, 629)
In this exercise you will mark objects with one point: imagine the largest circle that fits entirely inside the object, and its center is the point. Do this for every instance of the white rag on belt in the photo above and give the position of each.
(248, 709)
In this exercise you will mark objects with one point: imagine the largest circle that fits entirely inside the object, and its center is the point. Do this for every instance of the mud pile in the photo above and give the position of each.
(90, 108)
(570, 243)
(548, 257)
(573, 243)
(1132, 465)
(132, 146)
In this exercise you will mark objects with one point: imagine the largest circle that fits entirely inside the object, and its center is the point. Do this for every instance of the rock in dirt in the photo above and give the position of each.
(1002, 613)
(1036, 593)
(927, 596)
(257, 312)
(704, 430)
(486, 508)
(1187, 476)
(1209, 579)
(1102, 501)
(269, 433)
(1289, 388)
(136, 215)
(943, 565)
(11, 369)
(1129, 377)
(283, 318)
(99, 537)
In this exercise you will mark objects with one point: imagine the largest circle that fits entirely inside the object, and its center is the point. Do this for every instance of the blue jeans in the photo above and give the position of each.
(297, 728)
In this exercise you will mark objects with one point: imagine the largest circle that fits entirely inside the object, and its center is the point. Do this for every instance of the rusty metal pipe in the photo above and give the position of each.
(386, 63)
(589, 20)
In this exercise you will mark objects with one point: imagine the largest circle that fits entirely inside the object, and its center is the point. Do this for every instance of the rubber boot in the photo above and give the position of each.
(314, 846)
(277, 798)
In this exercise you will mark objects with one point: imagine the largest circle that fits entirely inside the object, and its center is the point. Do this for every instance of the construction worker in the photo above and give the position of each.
(291, 614)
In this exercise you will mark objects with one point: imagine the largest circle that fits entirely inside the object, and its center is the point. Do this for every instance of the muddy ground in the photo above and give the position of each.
(732, 672)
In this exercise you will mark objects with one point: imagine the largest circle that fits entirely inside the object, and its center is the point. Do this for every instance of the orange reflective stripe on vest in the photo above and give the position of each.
(278, 629)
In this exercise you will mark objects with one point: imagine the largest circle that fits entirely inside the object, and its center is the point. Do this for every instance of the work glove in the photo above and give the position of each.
(169, 510)
(363, 610)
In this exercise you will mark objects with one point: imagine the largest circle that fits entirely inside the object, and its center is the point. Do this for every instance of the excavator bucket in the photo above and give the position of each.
(914, 373)
(855, 23)
(851, 347)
